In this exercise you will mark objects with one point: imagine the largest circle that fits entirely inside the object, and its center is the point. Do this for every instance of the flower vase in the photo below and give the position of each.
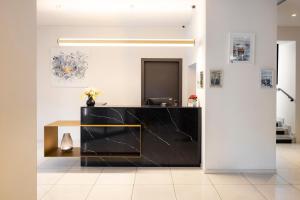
(90, 102)
(195, 103)
(66, 142)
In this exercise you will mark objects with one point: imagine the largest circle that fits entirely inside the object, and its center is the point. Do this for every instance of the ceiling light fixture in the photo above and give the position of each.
(294, 15)
(125, 42)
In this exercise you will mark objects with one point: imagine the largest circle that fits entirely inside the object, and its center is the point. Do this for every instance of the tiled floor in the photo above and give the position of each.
(63, 178)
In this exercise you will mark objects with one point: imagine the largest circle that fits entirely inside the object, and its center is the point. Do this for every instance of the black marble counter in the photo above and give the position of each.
(140, 136)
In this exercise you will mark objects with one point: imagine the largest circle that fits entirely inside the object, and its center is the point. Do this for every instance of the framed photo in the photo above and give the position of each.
(69, 67)
(201, 79)
(216, 78)
(242, 46)
(266, 78)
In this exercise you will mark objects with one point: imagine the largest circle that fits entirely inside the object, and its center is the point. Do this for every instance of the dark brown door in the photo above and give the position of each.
(161, 78)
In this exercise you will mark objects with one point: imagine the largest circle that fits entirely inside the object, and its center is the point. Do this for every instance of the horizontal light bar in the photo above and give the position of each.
(126, 42)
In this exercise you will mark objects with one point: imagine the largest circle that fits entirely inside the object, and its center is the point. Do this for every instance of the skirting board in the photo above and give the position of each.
(233, 171)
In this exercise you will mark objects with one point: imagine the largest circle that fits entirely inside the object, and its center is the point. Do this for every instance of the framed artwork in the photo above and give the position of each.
(68, 68)
(201, 82)
(266, 78)
(242, 48)
(216, 78)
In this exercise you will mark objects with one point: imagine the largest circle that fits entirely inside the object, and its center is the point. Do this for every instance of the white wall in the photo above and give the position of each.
(287, 81)
(240, 117)
(115, 71)
(18, 99)
(293, 34)
(197, 30)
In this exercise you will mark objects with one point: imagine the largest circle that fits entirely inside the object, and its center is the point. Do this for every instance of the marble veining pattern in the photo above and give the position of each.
(168, 137)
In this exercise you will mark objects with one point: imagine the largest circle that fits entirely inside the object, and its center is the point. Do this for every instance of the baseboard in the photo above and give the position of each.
(236, 171)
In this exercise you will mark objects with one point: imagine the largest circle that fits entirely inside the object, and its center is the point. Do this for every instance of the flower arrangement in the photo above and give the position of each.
(91, 94)
(193, 97)
(192, 101)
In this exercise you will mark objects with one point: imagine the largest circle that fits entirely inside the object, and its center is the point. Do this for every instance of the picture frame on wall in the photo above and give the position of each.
(216, 78)
(241, 48)
(201, 82)
(267, 78)
(69, 67)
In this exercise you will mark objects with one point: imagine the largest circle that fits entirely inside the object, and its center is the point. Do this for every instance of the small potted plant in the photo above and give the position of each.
(193, 100)
(91, 95)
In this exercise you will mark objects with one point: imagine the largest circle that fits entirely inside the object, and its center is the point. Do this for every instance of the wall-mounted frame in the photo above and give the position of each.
(201, 81)
(267, 78)
(216, 78)
(241, 48)
(69, 67)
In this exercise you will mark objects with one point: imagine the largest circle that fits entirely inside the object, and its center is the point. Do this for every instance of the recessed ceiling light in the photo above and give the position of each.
(294, 15)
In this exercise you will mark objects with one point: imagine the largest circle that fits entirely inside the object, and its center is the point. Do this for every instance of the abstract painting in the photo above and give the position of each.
(69, 68)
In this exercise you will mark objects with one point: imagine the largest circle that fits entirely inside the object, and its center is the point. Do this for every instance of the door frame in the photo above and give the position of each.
(178, 60)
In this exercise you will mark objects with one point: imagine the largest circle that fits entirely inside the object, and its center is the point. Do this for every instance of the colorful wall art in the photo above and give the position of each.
(69, 68)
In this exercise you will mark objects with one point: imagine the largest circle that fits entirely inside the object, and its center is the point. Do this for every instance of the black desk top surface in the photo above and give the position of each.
(140, 106)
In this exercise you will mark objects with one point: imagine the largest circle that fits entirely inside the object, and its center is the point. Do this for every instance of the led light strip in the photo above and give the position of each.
(125, 42)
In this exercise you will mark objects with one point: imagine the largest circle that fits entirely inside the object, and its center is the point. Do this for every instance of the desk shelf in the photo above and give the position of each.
(51, 148)
(59, 153)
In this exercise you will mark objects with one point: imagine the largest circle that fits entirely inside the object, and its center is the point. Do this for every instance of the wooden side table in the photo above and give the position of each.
(51, 148)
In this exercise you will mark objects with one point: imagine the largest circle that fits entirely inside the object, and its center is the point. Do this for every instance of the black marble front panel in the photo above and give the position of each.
(111, 141)
(169, 136)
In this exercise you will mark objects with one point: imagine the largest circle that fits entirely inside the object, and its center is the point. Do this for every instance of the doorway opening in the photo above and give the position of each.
(161, 79)
(286, 92)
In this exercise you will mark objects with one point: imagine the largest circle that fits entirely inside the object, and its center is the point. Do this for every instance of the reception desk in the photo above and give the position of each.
(140, 136)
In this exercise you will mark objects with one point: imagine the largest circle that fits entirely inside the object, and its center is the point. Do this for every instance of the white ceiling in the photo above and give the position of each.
(285, 10)
(114, 12)
(134, 12)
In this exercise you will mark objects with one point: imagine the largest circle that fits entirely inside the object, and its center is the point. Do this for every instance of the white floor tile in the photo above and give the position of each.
(78, 178)
(58, 163)
(111, 192)
(196, 192)
(279, 192)
(118, 176)
(189, 176)
(157, 170)
(283, 163)
(68, 192)
(49, 177)
(224, 179)
(238, 192)
(265, 179)
(86, 169)
(119, 169)
(292, 176)
(152, 176)
(153, 192)
(42, 190)
(297, 187)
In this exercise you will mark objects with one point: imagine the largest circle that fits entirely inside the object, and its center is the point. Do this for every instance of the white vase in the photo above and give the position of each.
(66, 142)
(195, 103)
